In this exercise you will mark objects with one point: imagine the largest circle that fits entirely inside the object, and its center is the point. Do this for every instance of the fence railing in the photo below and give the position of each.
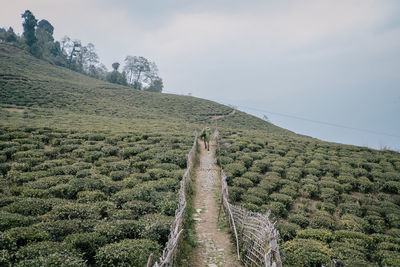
(256, 236)
(169, 251)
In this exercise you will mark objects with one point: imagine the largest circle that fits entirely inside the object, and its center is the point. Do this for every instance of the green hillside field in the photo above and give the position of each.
(90, 168)
(86, 166)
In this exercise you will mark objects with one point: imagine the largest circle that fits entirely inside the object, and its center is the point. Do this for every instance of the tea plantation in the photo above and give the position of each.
(90, 171)
(67, 195)
(330, 201)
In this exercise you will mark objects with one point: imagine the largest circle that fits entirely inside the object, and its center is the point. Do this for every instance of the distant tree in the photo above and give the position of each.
(90, 59)
(45, 41)
(72, 50)
(10, 35)
(156, 85)
(115, 66)
(29, 25)
(115, 76)
(99, 72)
(142, 74)
(45, 30)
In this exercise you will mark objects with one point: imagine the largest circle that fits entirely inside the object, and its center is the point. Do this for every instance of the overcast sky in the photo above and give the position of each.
(330, 61)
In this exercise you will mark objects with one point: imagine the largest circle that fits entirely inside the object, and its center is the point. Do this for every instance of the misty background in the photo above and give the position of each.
(304, 64)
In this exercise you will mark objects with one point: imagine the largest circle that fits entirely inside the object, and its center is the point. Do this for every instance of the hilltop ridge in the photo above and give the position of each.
(33, 83)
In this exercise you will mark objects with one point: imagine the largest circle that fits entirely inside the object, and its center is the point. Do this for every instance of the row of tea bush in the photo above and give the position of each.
(330, 201)
(80, 198)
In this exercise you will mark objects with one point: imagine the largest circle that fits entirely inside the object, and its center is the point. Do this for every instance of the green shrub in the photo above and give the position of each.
(350, 208)
(5, 257)
(86, 243)
(129, 252)
(235, 169)
(365, 185)
(60, 170)
(155, 227)
(115, 230)
(253, 176)
(167, 166)
(118, 175)
(156, 174)
(285, 199)
(253, 207)
(90, 196)
(109, 151)
(50, 181)
(322, 219)
(223, 160)
(357, 238)
(263, 165)
(83, 173)
(258, 192)
(99, 182)
(92, 156)
(75, 211)
(173, 156)
(288, 190)
(299, 219)
(66, 191)
(247, 160)
(30, 206)
(11, 220)
(328, 182)
(249, 198)
(306, 252)
(58, 229)
(309, 191)
(242, 182)
(394, 232)
(316, 234)
(278, 209)
(374, 224)
(391, 187)
(235, 193)
(351, 222)
(48, 254)
(329, 195)
(20, 236)
(138, 207)
(287, 231)
(350, 254)
(166, 203)
(269, 184)
(293, 174)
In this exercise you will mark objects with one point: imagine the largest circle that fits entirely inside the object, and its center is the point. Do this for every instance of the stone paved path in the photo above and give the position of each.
(214, 244)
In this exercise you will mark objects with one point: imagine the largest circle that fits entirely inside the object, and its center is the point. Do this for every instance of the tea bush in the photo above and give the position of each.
(128, 252)
(332, 194)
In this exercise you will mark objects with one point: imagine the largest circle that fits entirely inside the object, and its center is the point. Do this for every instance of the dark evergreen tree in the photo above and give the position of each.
(29, 25)
(11, 36)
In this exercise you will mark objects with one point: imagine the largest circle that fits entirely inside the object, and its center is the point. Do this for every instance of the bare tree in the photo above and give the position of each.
(141, 72)
(89, 56)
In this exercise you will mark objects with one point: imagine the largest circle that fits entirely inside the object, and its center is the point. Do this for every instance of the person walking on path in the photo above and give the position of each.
(206, 135)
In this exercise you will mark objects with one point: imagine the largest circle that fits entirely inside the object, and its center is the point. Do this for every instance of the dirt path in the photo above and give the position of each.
(214, 244)
(223, 116)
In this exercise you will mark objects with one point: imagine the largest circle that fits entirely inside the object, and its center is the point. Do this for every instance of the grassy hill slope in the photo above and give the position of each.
(31, 83)
(69, 142)
(90, 171)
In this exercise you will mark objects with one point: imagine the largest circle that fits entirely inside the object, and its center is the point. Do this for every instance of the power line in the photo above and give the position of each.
(320, 122)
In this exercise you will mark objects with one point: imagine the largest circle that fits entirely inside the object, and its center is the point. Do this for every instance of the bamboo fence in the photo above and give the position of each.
(255, 235)
(170, 248)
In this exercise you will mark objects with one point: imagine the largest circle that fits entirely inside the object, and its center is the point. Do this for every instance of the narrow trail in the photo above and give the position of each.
(214, 242)
(213, 118)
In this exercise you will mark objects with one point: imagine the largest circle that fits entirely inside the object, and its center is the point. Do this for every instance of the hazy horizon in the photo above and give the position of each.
(330, 61)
